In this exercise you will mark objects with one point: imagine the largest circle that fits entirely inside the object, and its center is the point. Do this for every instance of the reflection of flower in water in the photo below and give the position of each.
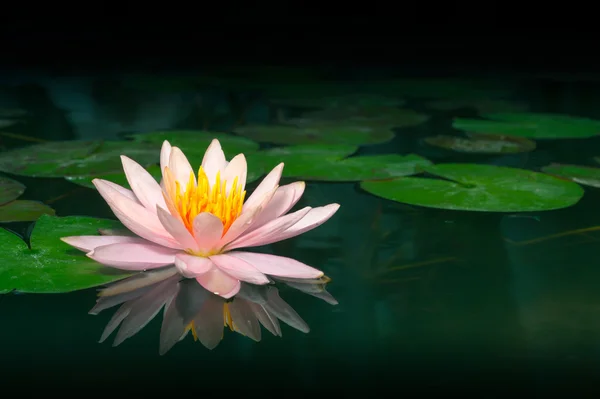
(188, 307)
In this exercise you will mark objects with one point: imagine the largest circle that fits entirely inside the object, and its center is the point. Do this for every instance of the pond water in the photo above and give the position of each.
(426, 299)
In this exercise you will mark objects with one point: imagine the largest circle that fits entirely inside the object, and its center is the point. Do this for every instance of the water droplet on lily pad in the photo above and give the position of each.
(531, 125)
(482, 143)
(52, 266)
(483, 188)
(586, 175)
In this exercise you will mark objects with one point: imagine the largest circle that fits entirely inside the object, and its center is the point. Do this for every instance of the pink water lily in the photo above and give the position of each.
(200, 222)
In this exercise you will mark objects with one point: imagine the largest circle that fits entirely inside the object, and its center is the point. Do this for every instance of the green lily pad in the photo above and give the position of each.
(50, 265)
(118, 178)
(531, 125)
(483, 143)
(298, 156)
(315, 133)
(7, 122)
(195, 142)
(483, 188)
(23, 211)
(368, 167)
(374, 116)
(482, 105)
(10, 190)
(351, 100)
(586, 175)
(75, 158)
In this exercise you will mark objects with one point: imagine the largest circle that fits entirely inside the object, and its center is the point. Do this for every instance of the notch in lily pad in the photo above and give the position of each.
(479, 188)
(14, 210)
(49, 265)
(531, 125)
(586, 175)
(475, 143)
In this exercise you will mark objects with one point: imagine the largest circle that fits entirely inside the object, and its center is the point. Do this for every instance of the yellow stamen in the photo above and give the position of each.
(199, 197)
(227, 319)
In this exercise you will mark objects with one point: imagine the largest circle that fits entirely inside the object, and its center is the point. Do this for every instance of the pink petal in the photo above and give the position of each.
(145, 188)
(124, 191)
(213, 161)
(176, 228)
(209, 322)
(245, 220)
(269, 231)
(191, 266)
(269, 183)
(284, 199)
(219, 283)
(180, 167)
(314, 218)
(278, 265)
(88, 243)
(134, 216)
(239, 269)
(236, 168)
(208, 230)
(133, 256)
(165, 155)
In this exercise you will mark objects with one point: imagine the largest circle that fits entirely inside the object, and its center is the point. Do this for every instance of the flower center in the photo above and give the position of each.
(198, 197)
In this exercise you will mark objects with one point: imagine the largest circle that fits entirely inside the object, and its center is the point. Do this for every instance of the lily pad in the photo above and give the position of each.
(351, 100)
(10, 190)
(302, 132)
(369, 167)
(374, 116)
(23, 211)
(482, 143)
(482, 105)
(483, 188)
(298, 156)
(50, 265)
(75, 158)
(118, 178)
(195, 142)
(585, 175)
(7, 122)
(531, 125)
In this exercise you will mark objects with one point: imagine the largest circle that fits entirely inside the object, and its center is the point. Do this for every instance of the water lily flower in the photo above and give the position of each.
(188, 307)
(199, 222)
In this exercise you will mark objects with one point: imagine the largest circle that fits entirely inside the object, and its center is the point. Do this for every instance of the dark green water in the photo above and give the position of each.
(489, 301)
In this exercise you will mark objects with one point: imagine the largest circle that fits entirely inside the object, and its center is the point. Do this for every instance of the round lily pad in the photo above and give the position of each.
(482, 105)
(75, 158)
(297, 156)
(369, 167)
(23, 211)
(531, 125)
(195, 142)
(306, 132)
(50, 265)
(482, 143)
(483, 188)
(351, 100)
(10, 190)
(373, 116)
(586, 175)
